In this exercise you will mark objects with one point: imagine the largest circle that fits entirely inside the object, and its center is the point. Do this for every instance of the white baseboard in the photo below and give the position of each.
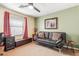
(72, 47)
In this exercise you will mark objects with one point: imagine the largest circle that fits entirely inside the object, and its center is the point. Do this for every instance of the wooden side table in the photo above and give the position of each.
(33, 37)
(70, 45)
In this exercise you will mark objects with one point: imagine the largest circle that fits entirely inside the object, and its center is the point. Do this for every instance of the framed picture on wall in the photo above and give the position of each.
(51, 23)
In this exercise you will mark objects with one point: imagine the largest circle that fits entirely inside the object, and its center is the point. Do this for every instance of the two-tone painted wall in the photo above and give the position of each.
(68, 21)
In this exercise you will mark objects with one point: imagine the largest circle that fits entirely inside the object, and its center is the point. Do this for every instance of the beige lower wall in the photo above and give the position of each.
(30, 20)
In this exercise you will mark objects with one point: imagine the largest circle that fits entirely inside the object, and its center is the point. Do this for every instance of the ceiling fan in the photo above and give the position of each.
(31, 6)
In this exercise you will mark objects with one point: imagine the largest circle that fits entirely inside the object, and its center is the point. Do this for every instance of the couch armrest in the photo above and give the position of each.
(60, 44)
(58, 41)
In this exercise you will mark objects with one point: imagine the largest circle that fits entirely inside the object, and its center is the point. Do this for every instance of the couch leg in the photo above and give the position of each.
(1, 54)
(60, 51)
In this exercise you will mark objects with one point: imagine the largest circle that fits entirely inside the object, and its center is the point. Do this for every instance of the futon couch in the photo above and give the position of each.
(52, 39)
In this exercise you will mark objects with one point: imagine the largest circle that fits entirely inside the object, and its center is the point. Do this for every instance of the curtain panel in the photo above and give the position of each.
(25, 36)
(7, 24)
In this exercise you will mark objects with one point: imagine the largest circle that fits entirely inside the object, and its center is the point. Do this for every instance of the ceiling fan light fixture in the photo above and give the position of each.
(31, 7)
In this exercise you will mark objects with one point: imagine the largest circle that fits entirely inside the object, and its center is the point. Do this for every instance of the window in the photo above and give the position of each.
(16, 25)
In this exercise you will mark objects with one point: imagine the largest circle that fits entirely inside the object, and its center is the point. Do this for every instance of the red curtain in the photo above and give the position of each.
(7, 24)
(25, 36)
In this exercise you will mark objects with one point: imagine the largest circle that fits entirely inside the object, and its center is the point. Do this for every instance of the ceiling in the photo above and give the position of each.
(45, 8)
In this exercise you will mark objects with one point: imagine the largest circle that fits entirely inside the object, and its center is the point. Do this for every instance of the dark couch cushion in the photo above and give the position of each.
(46, 34)
(52, 41)
(50, 35)
(47, 41)
(41, 39)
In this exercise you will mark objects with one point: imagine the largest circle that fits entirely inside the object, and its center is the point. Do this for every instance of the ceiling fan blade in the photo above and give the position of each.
(30, 4)
(22, 6)
(36, 9)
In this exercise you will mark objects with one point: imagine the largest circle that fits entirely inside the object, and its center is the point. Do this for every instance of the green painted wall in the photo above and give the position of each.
(68, 21)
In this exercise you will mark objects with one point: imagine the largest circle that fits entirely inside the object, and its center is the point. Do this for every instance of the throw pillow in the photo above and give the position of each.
(41, 34)
(56, 36)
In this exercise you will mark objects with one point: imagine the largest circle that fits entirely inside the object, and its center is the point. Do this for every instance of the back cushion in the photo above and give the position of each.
(41, 35)
(46, 35)
(50, 35)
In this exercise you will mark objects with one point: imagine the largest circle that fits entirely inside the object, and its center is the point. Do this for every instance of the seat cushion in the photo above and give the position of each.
(40, 39)
(47, 41)
(51, 41)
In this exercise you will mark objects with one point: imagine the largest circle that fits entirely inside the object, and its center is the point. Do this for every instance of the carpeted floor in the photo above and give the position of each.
(33, 49)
